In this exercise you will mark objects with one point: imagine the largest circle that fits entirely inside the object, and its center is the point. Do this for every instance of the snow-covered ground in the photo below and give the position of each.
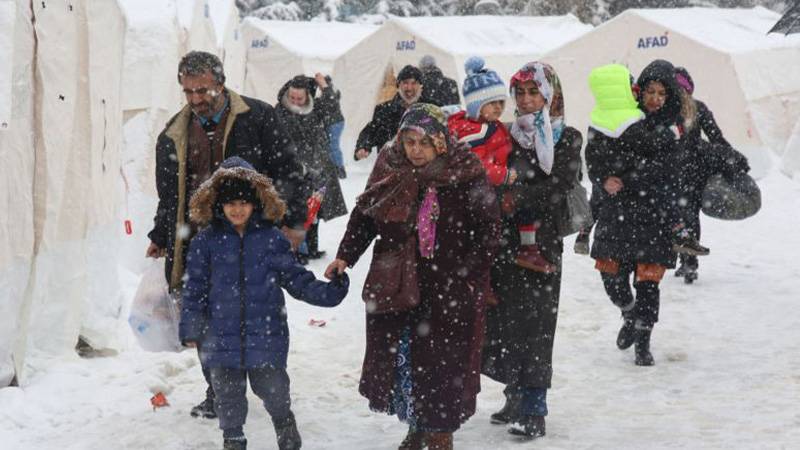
(727, 371)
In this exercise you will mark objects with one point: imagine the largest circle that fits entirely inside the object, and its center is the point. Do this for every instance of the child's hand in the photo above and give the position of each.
(337, 267)
(612, 185)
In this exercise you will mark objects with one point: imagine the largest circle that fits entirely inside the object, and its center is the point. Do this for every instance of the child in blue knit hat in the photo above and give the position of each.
(480, 128)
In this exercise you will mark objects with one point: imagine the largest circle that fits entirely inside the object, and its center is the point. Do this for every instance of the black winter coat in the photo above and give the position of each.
(383, 126)
(518, 348)
(438, 89)
(254, 133)
(634, 224)
(309, 131)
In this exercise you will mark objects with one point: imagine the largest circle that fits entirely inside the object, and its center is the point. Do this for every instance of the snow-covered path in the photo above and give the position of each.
(727, 371)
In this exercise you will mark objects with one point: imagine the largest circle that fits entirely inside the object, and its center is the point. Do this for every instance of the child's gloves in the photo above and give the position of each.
(340, 280)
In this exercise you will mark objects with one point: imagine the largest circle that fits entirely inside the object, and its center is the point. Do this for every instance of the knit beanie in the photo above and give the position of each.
(481, 86)
(409, 72)
(232, 188)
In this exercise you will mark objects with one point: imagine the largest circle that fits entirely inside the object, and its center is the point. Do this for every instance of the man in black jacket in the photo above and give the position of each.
(217, 123)
(437, 88)
(386, 117)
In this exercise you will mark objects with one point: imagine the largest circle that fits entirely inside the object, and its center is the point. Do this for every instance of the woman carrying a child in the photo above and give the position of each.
(632, 156)
(545, 154)
(436, 220)
(233, 305)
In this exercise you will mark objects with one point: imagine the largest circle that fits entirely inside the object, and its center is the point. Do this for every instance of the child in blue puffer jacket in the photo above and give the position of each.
(233, 307)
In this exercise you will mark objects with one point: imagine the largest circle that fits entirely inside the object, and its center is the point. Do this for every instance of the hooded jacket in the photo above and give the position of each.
(232, 300)
(307, 126)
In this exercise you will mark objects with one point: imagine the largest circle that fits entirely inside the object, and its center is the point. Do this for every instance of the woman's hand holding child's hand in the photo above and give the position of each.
(337, 267)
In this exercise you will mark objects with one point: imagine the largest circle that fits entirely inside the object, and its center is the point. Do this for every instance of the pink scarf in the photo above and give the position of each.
(426, 223)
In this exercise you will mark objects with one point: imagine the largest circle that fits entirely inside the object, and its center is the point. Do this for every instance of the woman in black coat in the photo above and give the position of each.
(637, 214)
(307, 120)
(518, 349)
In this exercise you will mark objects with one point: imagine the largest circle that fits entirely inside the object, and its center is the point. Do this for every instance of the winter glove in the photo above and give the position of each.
(340, 280)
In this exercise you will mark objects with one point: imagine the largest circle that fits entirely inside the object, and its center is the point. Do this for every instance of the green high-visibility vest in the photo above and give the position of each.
(615, 107)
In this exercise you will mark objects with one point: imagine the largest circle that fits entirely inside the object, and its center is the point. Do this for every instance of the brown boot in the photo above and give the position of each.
(439, 441)
(415, 440)
(531, 258)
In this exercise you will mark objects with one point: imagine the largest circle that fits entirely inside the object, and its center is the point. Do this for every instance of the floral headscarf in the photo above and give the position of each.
(430, 121)
(399, 192)
(540, 130)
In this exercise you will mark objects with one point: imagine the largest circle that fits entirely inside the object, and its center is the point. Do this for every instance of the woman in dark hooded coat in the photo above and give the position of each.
(636, 168)
(428, 200)
(307, 119)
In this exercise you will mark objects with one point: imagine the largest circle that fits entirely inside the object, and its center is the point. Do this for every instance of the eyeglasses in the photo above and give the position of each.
(202, 91)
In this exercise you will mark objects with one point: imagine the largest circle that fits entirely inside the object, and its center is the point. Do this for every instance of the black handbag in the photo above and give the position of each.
(576, 213)
(733, 197)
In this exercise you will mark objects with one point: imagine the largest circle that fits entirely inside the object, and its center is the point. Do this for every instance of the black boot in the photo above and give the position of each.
(581, 246)
(414, 440)
(627, 334)
(685, 244)
(643, 355)
(528, 426)
(508, 413)
(206, 408)
(312, 240)
(287, 434)
(234, 444)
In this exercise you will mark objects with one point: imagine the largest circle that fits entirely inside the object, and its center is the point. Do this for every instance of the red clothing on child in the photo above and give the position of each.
(489, 140)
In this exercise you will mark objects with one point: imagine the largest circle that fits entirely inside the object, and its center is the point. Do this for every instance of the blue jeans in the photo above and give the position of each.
(335, 136)
(270, 384)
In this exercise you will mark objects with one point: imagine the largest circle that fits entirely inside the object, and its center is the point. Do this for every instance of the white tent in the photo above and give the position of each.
(153, 49)
(277, 51)
(506, 43)
(750, 80)
(791, 156)
(16, 181)
(7, 18)
(197, 26)
(225, 15)
(74, 289)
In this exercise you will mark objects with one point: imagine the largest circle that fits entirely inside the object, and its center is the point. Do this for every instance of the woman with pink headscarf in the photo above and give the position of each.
(518, 348)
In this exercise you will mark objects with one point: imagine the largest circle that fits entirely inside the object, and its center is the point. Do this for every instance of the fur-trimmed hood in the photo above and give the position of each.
(202, 206)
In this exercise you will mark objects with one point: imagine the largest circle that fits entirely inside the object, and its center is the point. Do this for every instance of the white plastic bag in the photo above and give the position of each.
(155, 314)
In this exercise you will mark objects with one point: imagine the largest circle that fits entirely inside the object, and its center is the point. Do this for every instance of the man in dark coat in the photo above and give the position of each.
(437, 88)
(307, 119)
(386, 117)
(217, 123)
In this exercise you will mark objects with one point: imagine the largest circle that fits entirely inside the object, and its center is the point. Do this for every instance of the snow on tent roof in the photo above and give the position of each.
(495, 35)
(728, 30)
(324, 40)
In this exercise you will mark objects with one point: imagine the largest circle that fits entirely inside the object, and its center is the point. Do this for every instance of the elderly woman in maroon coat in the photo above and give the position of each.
(437, 222)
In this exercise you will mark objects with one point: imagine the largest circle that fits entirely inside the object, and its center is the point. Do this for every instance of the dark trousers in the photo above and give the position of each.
(270, 384)
(644, 308)
(207, 376)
